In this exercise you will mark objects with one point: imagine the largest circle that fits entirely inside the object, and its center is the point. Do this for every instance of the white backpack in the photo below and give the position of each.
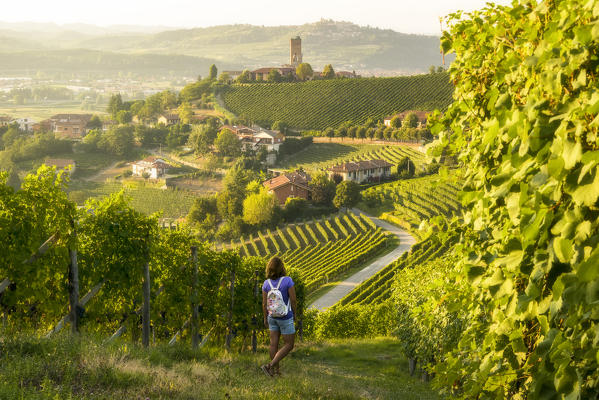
(274, 301)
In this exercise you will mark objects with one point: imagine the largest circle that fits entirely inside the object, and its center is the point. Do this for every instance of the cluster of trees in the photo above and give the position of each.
(17, 145)
(40, 93)
(405, 130)
(244, 205)
(118, 140)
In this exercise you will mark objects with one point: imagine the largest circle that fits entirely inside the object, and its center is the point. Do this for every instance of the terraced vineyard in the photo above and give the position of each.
(377, 288)
(322, 249)
(328, 103)
(408, 202)
(322, 155)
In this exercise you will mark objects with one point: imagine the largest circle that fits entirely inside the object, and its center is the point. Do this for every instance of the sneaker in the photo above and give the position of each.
(267, 370)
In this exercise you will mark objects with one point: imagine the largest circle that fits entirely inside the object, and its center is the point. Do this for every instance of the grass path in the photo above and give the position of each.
(344, 287)
(85, 369)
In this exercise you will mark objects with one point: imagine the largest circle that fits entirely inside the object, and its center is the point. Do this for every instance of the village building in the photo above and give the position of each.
(5, 120)
(108, 124)
(152, 166)
(422, 116)
(71, 126)
(25, 124)
(272, 140)
(169, 119)
(240, 130)
(262, 73)
(232, 75)
(361, 171)
(289, 185)
(346, 74)
(61, 164)
(142, 120)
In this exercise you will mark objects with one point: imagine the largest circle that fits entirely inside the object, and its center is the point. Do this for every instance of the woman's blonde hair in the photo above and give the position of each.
(275, 268)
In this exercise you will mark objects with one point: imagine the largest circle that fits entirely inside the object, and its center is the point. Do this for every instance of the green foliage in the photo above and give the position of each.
(410, 121)
(347, 194)
(259, 208)
(213, 72)
(123, 117)
(354, 321)
(304, 71)
(115, 104)
(274, 76)
(227, 143)
(202, 138)
(524, 124)
(194, 91)
(320, 104)
(323, 189)
(328, 72)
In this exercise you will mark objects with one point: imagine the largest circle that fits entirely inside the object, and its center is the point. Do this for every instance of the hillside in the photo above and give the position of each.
(346, 45)
(99, 63)
(328, 103)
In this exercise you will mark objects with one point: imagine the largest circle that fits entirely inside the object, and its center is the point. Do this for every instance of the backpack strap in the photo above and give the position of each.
(270, 284)
(280, 280)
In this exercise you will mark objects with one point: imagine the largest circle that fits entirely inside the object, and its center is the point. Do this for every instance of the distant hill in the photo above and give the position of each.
(347, 46)
(328, 103)
(100, 63)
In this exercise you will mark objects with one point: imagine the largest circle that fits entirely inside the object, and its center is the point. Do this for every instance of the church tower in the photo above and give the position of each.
(295, 51)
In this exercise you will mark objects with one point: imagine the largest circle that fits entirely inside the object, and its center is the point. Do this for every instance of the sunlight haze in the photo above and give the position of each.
(420, 17)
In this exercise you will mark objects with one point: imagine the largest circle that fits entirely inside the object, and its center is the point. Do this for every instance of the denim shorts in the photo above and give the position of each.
(285, 326)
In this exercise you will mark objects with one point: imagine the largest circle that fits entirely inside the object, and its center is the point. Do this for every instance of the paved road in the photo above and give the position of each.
(343, 288)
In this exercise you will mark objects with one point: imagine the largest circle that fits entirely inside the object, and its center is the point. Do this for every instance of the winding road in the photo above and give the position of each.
(343, 288)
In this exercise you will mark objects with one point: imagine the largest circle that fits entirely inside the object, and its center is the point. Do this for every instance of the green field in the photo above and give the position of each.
(41, 111)
(328, 103)
(319, 156)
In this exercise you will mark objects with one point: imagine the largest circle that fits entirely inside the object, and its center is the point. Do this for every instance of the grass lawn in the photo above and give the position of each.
(86, 369)
(144, 197)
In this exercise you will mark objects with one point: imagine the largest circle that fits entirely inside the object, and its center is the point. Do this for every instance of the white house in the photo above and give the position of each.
(271, 139)
(154, 167)
(25, 124)
(361, 171)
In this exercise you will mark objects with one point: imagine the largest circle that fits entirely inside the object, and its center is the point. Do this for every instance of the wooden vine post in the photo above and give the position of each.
(255, 317)
(194, 298)
(145, 340)
(73, 284)
(230, 319)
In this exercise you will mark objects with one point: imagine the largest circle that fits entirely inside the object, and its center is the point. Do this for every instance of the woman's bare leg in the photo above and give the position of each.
(287, 347)
(274, 343)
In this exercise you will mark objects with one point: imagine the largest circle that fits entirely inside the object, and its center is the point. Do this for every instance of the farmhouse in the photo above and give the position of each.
(291, 184)
(61, 164)
(5, 120)
(152, 166)
(240, 130)
(270, 139)
(72, 126)
(422, 116)
(361, 171)
(169, 119)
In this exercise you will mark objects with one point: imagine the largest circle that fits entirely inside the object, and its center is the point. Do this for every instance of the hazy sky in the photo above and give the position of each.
(416, 16)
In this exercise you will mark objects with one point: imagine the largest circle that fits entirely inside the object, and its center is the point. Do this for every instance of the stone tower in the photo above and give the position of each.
(295, 51)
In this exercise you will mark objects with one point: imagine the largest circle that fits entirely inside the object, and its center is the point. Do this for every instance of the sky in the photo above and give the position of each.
(421, 16)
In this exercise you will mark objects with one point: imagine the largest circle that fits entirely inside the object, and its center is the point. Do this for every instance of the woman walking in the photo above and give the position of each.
(279, 306)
